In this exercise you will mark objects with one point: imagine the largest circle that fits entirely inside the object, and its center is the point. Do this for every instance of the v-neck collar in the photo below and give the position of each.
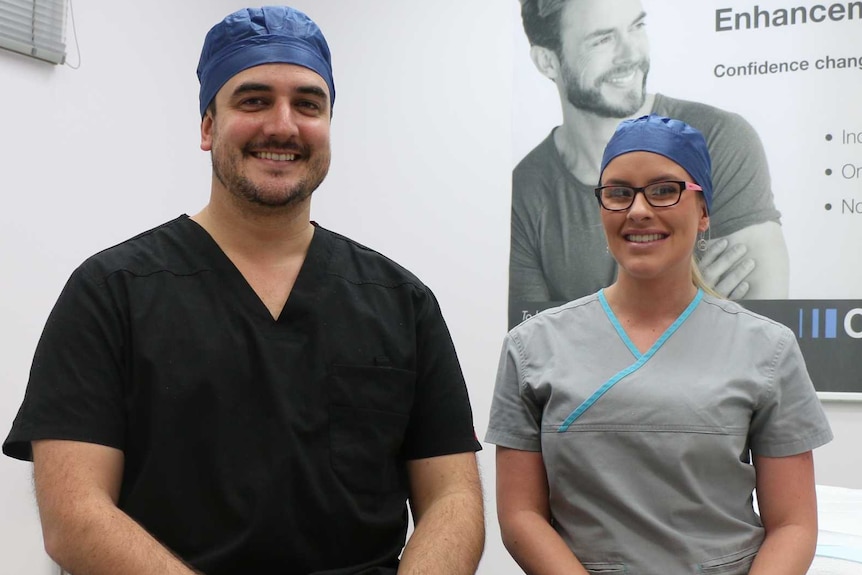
(641, 359)
(664, 336)
(306, 288)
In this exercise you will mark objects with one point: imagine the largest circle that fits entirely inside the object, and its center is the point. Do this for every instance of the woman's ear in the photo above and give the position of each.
(704, 220)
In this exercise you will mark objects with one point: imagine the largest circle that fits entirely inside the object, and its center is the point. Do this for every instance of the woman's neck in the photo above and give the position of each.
(652, 300)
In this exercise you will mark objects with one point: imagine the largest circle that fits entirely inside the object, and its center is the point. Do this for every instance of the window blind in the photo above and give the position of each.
(35, 28)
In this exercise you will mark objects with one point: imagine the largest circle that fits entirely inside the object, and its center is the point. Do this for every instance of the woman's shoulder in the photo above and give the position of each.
(568, 316)
(723, 312)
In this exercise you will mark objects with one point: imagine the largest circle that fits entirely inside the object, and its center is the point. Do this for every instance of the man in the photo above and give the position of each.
(244, 391)
(596, 52)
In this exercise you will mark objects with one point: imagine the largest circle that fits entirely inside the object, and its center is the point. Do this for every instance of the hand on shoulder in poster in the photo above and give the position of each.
(725, 267)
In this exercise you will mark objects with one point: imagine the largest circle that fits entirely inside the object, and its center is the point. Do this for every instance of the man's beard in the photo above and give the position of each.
(226, 170)
(590, 99)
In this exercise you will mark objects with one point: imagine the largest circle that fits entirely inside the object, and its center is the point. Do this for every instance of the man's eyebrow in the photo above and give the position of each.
(309, 90)
(605, 31)
(251, 87)
(312, 90)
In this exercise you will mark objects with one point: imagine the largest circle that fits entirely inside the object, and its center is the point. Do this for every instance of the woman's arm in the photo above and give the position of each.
(788, 509)
(525, 516)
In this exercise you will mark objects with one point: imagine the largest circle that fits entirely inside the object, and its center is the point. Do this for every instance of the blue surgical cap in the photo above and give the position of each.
(255, 36)
(671, 138)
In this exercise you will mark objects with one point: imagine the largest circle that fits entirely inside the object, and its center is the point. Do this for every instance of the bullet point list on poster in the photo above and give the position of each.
(828, 172)
(828, 137)
(828, 207)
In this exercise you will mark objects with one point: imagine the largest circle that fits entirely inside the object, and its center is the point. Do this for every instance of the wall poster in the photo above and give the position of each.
(775, 86)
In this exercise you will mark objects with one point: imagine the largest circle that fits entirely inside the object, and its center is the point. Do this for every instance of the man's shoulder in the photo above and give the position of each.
(539, 160)
(359, 264)
(705, 117)
(162, 247)
(539, 177)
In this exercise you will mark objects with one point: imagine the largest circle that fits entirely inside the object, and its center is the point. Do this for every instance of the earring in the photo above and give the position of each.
(701, 243)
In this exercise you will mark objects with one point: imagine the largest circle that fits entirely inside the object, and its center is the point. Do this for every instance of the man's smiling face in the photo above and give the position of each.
(269, 134)
(605, 56)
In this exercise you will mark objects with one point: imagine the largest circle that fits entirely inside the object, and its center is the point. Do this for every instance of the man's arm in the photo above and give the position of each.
(526, 277)
(743, 208)
(788, 508)
(752, 265)
(448, 516)
(77, 488)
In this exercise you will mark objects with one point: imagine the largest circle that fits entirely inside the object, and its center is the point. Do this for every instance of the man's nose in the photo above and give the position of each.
(629, 48)
(282, 121)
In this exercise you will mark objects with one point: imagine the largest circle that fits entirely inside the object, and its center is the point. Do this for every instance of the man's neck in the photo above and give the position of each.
(582, 138)
(257, 233)
(267, 245)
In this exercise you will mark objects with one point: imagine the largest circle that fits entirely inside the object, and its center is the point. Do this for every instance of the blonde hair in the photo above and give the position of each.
(696, 277)
(700, 282)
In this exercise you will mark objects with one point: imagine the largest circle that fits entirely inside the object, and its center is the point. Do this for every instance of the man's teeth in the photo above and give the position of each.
(644, 238)
(622, 79)
(276, 157)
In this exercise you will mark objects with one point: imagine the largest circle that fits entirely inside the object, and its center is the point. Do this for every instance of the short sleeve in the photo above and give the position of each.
(441, 420)
(516, 418)
(75, 390)
(741, 180)
(526, 277)
(789, 419)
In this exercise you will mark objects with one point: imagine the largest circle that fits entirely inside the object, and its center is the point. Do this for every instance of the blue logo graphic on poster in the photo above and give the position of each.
(829, 328)
(822, 323)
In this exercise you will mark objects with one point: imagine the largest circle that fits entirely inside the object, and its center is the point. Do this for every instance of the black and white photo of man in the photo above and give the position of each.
(596, 52)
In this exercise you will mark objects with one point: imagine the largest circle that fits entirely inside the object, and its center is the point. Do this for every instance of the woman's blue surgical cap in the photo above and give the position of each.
(671, 138)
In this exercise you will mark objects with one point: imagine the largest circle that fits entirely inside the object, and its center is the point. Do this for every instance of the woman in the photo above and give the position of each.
(633, 425)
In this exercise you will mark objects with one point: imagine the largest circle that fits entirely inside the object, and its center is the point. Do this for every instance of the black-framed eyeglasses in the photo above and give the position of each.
(617, 198)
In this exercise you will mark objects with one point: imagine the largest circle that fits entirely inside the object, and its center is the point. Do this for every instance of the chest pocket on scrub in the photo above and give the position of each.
(369, 409)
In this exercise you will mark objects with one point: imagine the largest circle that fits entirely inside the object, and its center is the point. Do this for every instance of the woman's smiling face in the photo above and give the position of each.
(649, 242)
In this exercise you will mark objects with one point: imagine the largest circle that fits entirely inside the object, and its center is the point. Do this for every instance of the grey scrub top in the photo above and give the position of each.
(647, 455)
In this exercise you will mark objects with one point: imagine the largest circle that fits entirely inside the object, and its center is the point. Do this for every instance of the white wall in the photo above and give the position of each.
(421, 171)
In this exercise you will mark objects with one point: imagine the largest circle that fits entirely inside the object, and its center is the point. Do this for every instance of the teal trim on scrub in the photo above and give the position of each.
(641, 359)
(617, 325)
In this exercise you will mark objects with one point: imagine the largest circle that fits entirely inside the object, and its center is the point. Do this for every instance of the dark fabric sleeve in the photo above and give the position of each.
(526, 276)
(742, 185)
(441, 420)
(75, 391)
